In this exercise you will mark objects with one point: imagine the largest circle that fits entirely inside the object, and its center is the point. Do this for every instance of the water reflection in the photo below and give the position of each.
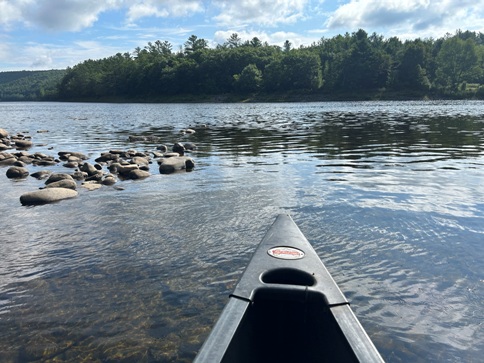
(390, 194)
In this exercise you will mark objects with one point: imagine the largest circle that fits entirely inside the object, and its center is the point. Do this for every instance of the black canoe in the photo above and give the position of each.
(286, 307)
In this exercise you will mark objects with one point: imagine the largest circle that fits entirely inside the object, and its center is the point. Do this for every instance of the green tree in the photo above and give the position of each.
(255, 42)
(287, 46)
(296, 70)
(194, 44)
(364, 67)
(249, 80)
(234, 41)
(411, 70)
(457, 62)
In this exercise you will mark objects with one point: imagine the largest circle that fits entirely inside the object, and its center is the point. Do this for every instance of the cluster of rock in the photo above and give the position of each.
(107, 169)
(18, 141)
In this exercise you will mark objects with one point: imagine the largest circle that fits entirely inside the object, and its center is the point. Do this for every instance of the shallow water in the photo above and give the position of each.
(390, 194)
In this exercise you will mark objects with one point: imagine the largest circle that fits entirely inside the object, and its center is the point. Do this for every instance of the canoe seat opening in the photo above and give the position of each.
(288, 276)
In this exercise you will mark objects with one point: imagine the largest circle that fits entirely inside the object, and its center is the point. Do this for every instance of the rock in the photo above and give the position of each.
(124, 170)
(178, 148)
(58, 176)
(27, 159)
(157, 154)
(64, 155)
(138, 174)
(17, 172)
(63, 183)
(8, 161)
(109, 180)
(19, 163)
(170, 155)
(79, 175)
(95, 177)
(4, 146)
(162, 148)
(73, 159)
(189, 146)
(49, 161)
(3, 133)
(45, 196)
(107, 157)
(23, 144)
(91, 185)
(71, 164)
(41, 174)
(189, 131)
(89, 169)
(116, 152)
(139, 160)
(175, 163)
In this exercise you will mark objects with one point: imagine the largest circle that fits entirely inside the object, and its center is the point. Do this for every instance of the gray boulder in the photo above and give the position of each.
(45, 196)
(17, 172)
(64, 155)
(124, 170)
(58, 176)
(7, 159)
(89, 168)
(175, 163)
(138, 174)
(63, 183)
(109, 180)
(23, 144)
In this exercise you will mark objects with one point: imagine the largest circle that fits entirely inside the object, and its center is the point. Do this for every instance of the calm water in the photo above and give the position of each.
(391, 195)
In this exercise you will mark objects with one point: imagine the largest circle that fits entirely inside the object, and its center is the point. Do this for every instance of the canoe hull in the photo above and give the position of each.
(287, 308)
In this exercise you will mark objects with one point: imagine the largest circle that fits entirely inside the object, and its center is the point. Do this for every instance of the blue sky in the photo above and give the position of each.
(55, 34)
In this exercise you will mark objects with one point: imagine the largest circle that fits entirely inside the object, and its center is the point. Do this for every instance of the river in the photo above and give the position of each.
(390, 194)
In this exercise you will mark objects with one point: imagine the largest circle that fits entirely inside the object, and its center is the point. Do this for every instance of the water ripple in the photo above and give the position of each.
(390, 195)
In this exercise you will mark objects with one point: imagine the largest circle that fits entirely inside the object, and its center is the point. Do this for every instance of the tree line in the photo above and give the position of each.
(350, 65)
(346, 64)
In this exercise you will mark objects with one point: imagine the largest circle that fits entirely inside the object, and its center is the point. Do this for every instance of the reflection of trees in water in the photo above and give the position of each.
(353, 136)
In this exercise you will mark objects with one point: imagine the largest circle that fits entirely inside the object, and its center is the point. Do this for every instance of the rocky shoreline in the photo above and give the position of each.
(108, 169)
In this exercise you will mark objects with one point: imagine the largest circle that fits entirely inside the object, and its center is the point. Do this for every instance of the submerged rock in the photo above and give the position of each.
(91, 185)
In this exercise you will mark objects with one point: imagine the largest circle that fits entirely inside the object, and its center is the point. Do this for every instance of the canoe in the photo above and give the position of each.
(286, 307)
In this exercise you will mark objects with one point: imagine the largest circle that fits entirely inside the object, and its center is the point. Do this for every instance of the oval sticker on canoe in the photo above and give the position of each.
(286, 253)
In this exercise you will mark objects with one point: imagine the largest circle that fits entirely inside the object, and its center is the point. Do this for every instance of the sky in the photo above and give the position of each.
(55, 34)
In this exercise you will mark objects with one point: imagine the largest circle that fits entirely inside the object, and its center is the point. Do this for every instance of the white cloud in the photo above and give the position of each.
(55, 15)
(162, 8)
(9, 12)
(411, 16)
(42, 62)
(261, 12)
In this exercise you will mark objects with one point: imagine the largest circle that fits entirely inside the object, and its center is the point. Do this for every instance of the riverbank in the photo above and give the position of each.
(262, 97)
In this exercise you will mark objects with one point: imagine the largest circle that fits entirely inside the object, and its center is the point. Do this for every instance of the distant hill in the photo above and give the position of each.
(29, 85)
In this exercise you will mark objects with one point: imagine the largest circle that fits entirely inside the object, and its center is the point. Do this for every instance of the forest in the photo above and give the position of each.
(30, 85)
(349, 66)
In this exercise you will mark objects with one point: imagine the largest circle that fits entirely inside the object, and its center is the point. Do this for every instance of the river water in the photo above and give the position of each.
(390, 194)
